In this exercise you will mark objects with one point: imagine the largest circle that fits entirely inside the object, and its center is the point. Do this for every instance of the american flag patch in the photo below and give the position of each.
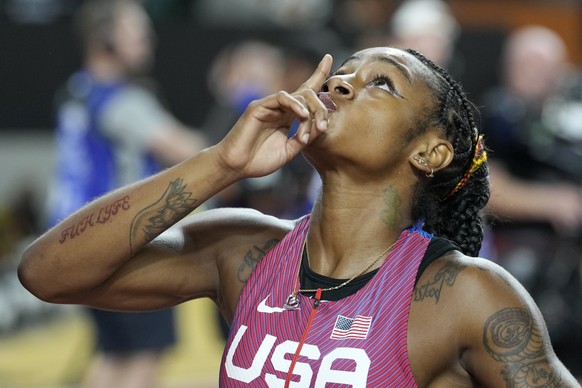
(345, 328)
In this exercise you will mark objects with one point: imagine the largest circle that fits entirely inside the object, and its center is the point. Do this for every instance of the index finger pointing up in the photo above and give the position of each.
(315, 82)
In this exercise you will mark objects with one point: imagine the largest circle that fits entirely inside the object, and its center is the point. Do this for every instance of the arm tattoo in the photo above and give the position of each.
(511, 337)
(252, 258)
(174, 204)
(391, 213)
(102, 216)
(433, 288)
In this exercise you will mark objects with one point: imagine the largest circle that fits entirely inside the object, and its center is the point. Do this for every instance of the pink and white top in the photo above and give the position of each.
(358, 341)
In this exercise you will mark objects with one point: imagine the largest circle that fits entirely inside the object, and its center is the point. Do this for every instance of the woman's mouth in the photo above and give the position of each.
(327, 101)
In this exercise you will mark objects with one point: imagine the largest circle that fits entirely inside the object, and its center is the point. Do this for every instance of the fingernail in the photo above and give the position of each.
(323, 124)
(305, 137)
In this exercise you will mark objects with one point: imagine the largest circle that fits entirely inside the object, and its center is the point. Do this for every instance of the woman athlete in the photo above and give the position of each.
(379, 286)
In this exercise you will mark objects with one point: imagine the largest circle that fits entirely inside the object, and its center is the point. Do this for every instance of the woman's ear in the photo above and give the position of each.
(432, 154)
(441, 154)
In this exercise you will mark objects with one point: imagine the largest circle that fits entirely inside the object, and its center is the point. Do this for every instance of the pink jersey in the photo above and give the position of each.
(358, 341)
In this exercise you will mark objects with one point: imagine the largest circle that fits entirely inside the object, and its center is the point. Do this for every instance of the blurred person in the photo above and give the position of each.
(242, 72)
(428, 26)
(533, 122)
(112, 130)
(361, 23)
(19, 220)
(378, 286)
(295, 14)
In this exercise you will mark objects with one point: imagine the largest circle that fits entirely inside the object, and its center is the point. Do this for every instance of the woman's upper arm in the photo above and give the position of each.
(507, 343)
(208, 254)
(240, 238)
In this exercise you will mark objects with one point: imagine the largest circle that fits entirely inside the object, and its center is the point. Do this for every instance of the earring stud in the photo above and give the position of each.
(419, 159)
(424, 163)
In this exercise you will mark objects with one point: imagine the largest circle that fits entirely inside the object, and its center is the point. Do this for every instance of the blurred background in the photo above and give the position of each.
(215, 56)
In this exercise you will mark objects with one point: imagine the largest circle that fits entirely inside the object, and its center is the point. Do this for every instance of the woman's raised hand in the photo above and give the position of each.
(259, 142)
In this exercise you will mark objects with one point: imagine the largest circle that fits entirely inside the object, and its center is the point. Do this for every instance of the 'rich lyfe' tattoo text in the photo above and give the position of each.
(103, 216)
(433, 288)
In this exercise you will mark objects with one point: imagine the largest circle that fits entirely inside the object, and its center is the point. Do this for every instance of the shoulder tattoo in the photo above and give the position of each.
(174, 204)
(252, 258)
(432, 288)
(511, 337)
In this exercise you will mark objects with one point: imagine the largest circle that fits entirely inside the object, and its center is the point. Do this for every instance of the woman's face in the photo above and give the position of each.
(374, 99)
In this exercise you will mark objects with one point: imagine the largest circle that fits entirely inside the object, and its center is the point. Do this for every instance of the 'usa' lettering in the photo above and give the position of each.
(356, 378)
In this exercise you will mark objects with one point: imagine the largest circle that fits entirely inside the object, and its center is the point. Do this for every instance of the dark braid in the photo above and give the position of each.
(456, 217)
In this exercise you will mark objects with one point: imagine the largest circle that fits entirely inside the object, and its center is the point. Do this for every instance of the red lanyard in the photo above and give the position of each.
(303, 337)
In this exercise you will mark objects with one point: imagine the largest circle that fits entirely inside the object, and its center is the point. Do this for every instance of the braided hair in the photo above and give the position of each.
(449, 203)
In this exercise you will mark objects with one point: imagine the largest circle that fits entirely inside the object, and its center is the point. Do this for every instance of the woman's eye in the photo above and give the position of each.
(383, 83)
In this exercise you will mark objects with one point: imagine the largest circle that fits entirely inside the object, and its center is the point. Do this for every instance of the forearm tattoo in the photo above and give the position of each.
(391, 214)
(174, 204)
(252, 258)
(102, 216)
(433, 287)
(511, 337)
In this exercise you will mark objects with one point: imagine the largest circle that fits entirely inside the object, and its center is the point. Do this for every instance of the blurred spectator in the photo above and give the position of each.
(36, 11)
(240, 73)
(18, 220)
(362, 23)
(297, 14)
(112, 130)
(534, 128)
(19, 225)
(427, 26)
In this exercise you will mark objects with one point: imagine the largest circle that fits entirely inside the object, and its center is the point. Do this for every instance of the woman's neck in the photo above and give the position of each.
(351, 226)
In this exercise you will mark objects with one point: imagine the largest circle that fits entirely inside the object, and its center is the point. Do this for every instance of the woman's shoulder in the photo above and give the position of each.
(462, 276)
(455, 303)
(231, 232)
(469, 290)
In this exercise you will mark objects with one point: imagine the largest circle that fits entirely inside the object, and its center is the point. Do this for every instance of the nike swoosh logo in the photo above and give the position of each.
(263, 308)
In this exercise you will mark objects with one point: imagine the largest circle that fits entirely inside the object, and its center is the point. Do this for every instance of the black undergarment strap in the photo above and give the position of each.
(437, 247)
(311, 280)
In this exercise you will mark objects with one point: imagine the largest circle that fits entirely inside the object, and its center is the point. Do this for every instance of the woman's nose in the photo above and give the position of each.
(338, 86)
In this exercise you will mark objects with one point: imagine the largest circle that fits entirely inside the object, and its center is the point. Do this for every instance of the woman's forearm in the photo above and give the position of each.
(87, 248)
